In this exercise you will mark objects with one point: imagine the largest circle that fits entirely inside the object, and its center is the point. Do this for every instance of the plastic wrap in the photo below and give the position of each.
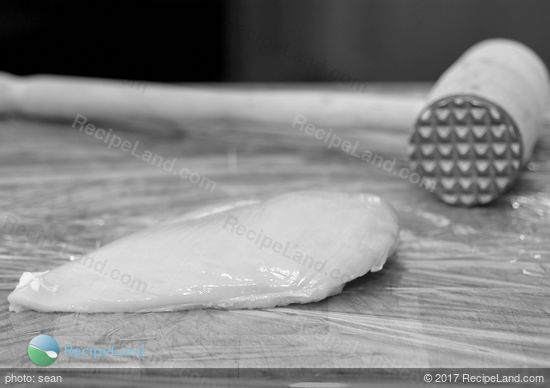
(467, 287)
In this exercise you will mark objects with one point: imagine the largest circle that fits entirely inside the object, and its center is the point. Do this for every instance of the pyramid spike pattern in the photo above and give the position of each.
(469, 147)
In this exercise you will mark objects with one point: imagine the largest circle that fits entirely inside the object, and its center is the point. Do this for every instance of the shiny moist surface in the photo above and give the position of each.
(294, 248)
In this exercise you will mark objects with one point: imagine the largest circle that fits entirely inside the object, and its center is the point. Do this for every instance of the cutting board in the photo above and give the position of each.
(467, 287)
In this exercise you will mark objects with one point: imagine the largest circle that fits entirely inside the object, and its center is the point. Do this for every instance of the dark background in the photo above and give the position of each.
(259, 40)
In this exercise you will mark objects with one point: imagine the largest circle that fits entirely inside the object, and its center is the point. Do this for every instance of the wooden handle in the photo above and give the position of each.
(57, 97)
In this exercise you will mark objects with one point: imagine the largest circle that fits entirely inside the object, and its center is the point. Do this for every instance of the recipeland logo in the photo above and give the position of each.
(43, 350)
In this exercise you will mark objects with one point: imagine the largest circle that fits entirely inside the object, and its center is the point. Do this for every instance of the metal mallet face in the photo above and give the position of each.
(469, 147)
(480, 123)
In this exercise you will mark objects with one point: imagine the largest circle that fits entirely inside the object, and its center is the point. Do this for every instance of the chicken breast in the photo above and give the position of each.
(298, 247)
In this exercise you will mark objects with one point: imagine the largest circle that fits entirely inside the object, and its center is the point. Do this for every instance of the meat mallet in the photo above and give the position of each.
(480, 122)
(468, 139)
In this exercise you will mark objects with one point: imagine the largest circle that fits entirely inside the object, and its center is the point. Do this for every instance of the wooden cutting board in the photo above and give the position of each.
(467, 288)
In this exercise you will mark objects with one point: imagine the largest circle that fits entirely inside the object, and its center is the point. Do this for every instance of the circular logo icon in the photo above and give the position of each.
(43, 350)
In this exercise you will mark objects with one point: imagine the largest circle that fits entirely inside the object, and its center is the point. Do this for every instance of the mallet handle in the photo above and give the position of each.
(59, 97)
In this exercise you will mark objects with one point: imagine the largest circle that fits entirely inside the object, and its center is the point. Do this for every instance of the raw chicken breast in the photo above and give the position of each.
(294, 248)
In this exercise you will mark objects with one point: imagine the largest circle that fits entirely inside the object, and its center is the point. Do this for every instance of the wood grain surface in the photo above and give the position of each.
(467, 288)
